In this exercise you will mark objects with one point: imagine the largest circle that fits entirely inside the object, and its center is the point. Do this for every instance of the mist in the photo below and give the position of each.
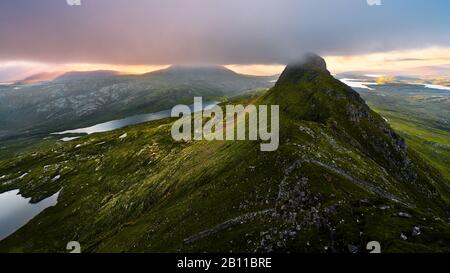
(213, 32)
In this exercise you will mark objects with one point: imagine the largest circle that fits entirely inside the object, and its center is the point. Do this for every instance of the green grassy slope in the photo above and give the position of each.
(340, 179)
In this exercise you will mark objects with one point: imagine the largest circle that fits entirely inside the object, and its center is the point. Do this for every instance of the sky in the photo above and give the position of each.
(249, 36)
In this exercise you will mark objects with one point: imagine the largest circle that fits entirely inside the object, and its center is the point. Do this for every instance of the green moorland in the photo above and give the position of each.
(340, 179)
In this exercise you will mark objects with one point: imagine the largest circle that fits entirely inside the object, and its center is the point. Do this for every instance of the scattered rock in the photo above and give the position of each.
(123, 136)
(353, 249)
(416, 232)
(56, 178)
(23, 175)
(404, 215)
(403, 237)
(364, 202)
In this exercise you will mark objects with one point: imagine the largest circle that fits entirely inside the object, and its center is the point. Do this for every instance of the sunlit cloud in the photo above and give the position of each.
(17, 70)
(214, 32)
(416, 61)
(123, 69)
(426, 61)
(257, 69)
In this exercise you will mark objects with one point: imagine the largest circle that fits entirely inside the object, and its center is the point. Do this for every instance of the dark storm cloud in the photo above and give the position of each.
(214, 31)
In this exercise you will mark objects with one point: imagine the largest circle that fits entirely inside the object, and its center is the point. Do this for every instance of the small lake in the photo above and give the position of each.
(120, 123)
(436, 86)
(16, 211)
(355, 83)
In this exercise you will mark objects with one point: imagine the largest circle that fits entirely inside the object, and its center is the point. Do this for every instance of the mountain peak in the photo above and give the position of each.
(309, 61)
(194, 72)
(196, 67)
(309, 64)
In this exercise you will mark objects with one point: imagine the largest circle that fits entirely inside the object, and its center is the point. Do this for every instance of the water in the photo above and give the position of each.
(16, 211)
(435, 86)
(119, 123)
(355, 83)
(65, 139)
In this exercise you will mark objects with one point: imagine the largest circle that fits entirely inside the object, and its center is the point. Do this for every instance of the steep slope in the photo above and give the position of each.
(340, 179)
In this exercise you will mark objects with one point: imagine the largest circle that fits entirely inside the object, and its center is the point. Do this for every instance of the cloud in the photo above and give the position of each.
(143, 32)
(395, 62)
(407, 60)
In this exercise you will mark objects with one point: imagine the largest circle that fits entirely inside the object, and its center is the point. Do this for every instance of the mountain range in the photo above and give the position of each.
(79, 99)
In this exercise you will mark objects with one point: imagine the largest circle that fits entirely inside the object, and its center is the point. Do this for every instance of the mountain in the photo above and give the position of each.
(188, 71)
(341, 178)
(203, 78)
(326, 100)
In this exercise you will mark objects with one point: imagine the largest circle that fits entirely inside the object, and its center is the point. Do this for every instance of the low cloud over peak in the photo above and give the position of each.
(214, 32)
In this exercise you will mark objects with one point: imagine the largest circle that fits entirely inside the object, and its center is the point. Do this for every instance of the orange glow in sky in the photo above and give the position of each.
(124, 69)
(414, 62)
(407, 61)
(257, 69)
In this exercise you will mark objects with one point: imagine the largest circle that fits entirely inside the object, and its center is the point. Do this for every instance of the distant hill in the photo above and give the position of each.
(193, 70)
(40, 77)
(80, 99)
(209, 77)
(83, 75)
